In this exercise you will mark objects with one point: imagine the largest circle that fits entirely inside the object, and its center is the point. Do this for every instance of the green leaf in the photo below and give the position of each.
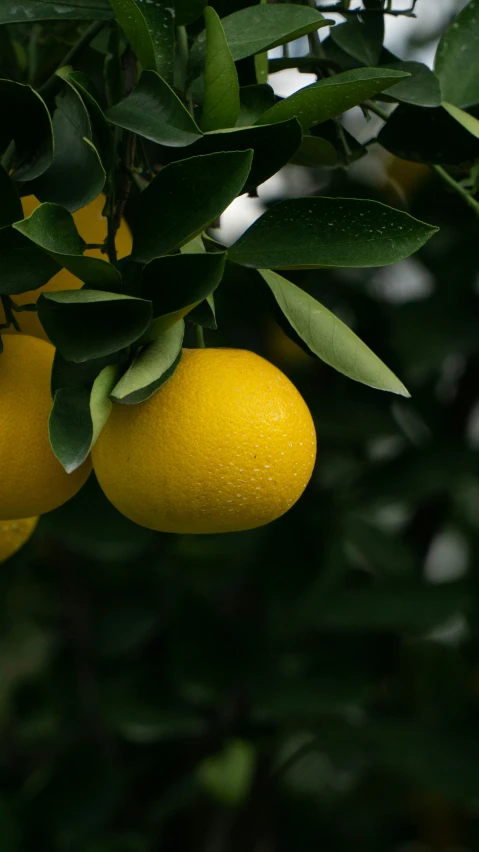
(204, 314)
(10, 204)
(332, 96)
(152, 367)
(133, 23)
(421, 88)
(86, 324)
(23, 266)
(257, 29)
(184, 198)
(254, 101)
(102, 134)
(76, 175)
(228, 776)
(329, 338)
(155, 112)
(221, 102)
(53, 229)
(362, 38)
(457, 58)
(273, 146)
(315, 151)
(27, 11)
(177, 283)
(428, 135)
(26, 120)
(188, 11)
(468, 121)
(159, 16)
(308, 232)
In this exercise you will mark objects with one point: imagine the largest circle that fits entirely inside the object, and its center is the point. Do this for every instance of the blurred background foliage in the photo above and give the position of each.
(310, 685)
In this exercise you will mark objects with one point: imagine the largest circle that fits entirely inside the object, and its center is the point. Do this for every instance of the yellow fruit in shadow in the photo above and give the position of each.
(226, 444)
(14, 534)
(32, 480)
(283, 350)
(403, 179)
(92, 226)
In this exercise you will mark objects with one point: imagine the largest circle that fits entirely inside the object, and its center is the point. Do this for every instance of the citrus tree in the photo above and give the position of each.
(128, 128)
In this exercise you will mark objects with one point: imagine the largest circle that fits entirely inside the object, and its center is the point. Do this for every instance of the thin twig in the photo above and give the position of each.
(377, 110)
(463, 193)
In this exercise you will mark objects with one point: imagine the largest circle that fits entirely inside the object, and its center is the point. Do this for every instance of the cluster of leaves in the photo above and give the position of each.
(171, 95)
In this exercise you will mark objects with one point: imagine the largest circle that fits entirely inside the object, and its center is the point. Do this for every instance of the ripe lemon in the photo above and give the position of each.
(92, 226)
(32, 480)
(14, 534)
(226, 444)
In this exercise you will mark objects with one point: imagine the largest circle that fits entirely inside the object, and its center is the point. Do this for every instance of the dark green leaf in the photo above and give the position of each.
(457, 58)
(102, 133)
(23, 266)
(133, 22)
(177, 283)
(27, 11)
(259, 28)
(185, 198)
(26, 120)
(315, 151)
(70, 427)
(188, 11)
(254, 101)
(159, 16)
(154, 111)
(421, 88)
(329, 338)
(332, 96)
(152, 367)
(52, 228)
(86, 324)
(204, 314)
(362, 38)
(221, 102)
(309, 232)
(273, 146)
(10, 204)
(428, 136)
(68, 374)
(76, 175)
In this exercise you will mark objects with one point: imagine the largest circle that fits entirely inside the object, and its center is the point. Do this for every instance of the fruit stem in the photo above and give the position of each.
(200, 337)
(465, 195)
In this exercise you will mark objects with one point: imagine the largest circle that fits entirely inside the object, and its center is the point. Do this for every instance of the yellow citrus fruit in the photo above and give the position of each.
(92, 226)
(226, 444)
(14, 534)
(284, 350)
(32, 480)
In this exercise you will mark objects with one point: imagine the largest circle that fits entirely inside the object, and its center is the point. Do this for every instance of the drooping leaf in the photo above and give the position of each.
(185, 198)
(10, 204)
(78, 416)
(332, 96)
(221, 102)
(152, 367)
(257, 29)
(329, 338)
(86, 324)
(26, 120)
(428, 135)
(102, 133)
(23, 266)
(422, 88)
(27, 11)
(204, 314)
(177, 283)
(362, 38)
(52, 228)
(308, 232)
(154, 111)
(273, 146)
(457, 58)
(464, 118)
(254, 101)
(76, 175)
(129, 15)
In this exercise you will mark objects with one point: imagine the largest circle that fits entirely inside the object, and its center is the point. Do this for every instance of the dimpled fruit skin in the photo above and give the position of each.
(32, 480)
(92, 226)
(226, 444)
(14, 534)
